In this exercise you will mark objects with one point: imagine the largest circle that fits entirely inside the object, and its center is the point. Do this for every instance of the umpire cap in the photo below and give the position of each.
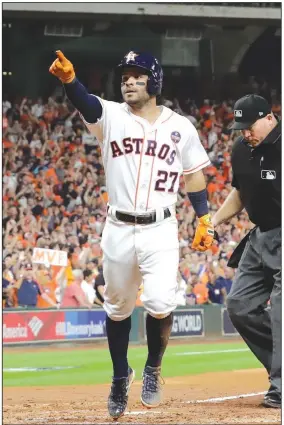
(249, 109)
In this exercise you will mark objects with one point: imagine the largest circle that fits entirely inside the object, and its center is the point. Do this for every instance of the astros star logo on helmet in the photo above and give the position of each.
(130, 56)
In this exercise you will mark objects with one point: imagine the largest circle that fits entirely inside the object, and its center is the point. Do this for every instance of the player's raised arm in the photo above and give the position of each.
(87, 104)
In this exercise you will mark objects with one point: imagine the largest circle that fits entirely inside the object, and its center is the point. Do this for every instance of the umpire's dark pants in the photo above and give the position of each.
(257, 280)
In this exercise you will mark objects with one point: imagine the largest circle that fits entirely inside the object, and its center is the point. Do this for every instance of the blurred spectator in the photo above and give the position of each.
(229, 275)
(29, 290)
(74, 295)
(88, 286)
(11, 219)
(199, 289)
(190, 296)
(45, 276)
(6, 104)
(217, 289)
(38, 108)
(7, 293)
(181, 290)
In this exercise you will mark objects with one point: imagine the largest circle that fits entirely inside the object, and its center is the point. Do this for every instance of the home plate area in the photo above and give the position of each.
(222, 397)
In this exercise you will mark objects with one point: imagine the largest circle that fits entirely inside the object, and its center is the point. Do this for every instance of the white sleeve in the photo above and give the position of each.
(102, 125)
(194, 156)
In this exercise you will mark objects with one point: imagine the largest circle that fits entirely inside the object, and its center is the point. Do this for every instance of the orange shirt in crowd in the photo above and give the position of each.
(7, 144)
(204, 278)
(212, 188)
(51, 174)
(69, 274)
(48, 287)
(214, 249)
(200, 290)
(208, 124)
(104, 196)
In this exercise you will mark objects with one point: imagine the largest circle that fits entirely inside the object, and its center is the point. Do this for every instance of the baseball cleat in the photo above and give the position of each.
(151, 389)
(271, 402)
(118, 397)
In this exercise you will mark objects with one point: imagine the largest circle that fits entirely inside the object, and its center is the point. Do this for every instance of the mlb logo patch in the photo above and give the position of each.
(238, 113)
(268, 174)
(175, 136)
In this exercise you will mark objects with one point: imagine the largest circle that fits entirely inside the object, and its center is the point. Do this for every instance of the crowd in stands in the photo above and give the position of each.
(54, 197)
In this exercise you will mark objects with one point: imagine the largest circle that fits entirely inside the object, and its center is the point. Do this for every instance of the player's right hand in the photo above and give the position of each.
(62, 68)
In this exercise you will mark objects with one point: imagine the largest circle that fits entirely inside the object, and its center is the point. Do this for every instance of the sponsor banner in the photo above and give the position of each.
(49, 257)
(83, 325)
(186, 322)
(29, 326)
(228, 328)
(48, 326)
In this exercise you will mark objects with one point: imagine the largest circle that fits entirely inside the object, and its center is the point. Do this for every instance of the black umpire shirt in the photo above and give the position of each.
(257, 176)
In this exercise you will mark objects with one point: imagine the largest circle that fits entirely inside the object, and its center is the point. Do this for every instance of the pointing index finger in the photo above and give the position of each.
(60, 56)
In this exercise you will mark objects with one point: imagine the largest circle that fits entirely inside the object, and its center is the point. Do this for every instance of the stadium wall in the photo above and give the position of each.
(219, 50)
(21, 327)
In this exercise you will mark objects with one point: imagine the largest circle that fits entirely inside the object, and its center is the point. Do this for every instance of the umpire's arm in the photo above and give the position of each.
(232, 206)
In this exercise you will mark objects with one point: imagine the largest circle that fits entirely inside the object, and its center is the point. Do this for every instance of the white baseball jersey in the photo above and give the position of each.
(143, 162)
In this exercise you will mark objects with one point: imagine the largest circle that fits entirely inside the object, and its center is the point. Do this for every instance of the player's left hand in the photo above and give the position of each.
(204, 234)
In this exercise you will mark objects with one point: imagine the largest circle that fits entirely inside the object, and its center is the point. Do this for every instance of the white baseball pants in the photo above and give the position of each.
(140, 253)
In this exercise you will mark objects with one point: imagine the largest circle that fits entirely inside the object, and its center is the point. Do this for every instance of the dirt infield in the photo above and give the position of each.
(87, 404)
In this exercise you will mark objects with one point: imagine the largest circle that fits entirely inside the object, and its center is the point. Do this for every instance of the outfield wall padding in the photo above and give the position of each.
(69, 325)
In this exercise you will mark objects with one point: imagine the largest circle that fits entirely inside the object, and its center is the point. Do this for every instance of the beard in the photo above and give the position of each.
(137, 101)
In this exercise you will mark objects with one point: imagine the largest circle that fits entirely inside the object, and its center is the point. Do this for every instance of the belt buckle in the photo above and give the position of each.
(142, 218)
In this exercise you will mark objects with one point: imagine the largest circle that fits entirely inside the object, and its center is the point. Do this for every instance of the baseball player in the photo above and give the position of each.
(145, 149)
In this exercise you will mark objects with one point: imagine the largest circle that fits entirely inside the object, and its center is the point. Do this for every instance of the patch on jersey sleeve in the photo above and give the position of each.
(175, 136)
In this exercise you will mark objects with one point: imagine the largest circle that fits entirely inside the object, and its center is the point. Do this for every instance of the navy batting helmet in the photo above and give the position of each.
(150, 64)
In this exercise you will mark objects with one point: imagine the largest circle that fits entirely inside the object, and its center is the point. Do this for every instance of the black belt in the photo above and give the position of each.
(141, 218)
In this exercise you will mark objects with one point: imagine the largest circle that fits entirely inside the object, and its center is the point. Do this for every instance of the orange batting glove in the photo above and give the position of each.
(204, 234)
(62, 68)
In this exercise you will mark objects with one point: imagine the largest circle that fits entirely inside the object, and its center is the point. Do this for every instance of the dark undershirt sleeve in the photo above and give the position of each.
(87, 104)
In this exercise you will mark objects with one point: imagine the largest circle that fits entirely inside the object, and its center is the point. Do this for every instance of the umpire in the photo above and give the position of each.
(256, 166)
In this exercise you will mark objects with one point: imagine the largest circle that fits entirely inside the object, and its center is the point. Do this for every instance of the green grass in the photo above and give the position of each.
(94, 365)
